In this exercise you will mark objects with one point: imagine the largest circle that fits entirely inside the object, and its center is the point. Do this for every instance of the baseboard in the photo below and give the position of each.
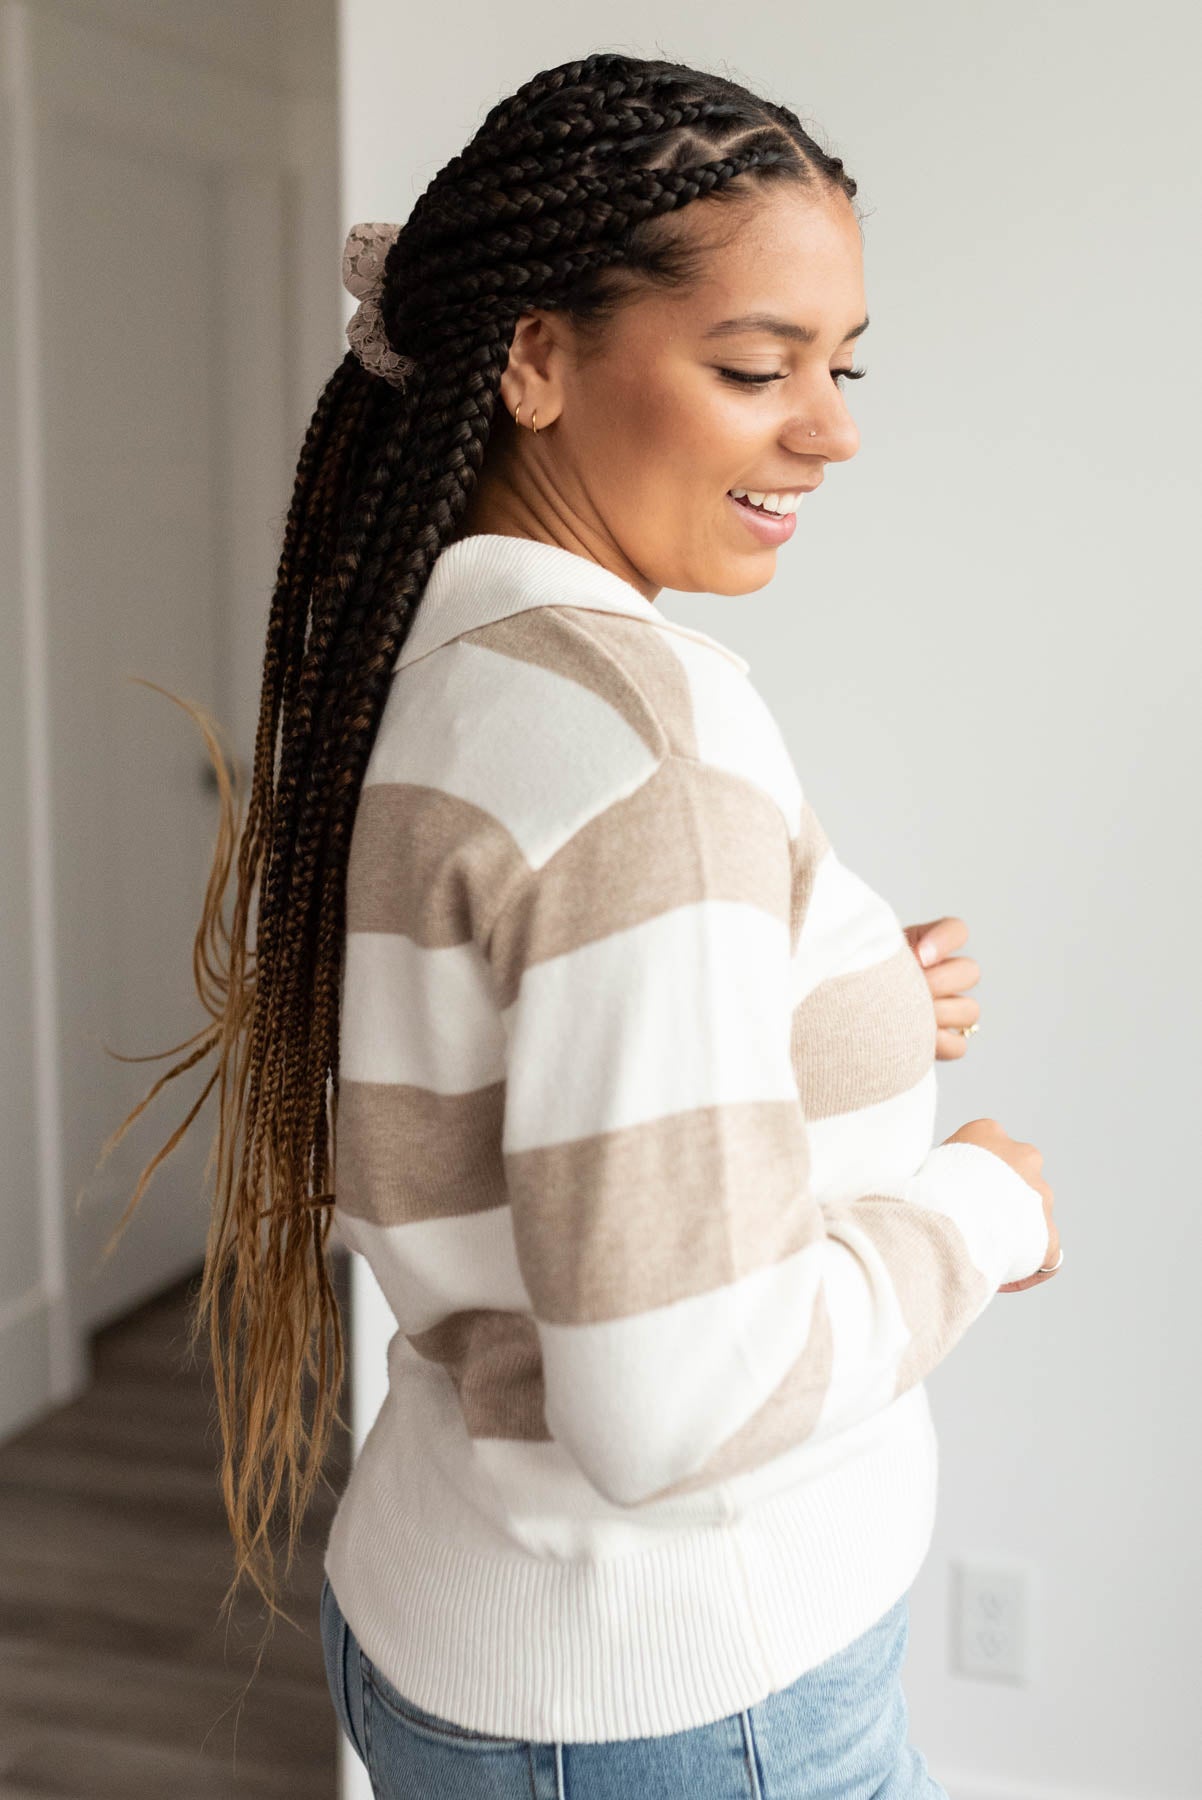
(24, 1361)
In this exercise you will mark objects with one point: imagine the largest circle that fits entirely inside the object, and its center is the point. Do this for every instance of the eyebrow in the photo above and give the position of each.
(782, 328)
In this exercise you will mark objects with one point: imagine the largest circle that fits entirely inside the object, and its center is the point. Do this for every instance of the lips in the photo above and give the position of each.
(766, 527)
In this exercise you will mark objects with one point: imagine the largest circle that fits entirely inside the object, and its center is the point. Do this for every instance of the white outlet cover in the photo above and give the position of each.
(990, 1618)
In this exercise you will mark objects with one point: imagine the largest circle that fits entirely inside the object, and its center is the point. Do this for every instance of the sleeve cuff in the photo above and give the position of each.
(999, 1214)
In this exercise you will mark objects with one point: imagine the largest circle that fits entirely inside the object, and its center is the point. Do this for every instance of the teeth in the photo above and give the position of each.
(776, 503)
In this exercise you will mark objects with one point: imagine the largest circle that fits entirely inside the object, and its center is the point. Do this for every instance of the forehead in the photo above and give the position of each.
(796, 252)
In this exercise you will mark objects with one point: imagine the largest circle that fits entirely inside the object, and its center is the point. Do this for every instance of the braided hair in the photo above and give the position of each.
(564, 199)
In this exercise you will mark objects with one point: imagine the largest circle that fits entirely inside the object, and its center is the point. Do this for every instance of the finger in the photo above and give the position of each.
(935, 941)
(957, 1012)
(1037, 1280)
(953, 975)
(952, 1017)
(1040, 1275)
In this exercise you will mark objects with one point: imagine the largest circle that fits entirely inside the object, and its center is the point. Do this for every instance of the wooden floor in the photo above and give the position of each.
(117, 1680)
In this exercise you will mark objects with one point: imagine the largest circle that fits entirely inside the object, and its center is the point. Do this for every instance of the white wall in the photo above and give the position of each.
(254, 83)
(982, 646)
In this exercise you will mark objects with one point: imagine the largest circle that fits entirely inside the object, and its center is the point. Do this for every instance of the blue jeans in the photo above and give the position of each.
(836, 1733)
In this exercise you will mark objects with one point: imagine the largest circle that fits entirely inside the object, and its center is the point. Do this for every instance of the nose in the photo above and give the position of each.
(836, 436)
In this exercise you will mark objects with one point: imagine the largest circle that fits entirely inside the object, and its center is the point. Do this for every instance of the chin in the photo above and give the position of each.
(747, 580)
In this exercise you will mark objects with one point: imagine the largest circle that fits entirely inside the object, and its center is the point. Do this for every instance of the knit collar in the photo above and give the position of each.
(490, 575)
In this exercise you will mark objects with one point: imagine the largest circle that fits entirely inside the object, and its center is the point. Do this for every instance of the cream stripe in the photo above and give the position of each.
(736, 730)
(782, 1428)
(668, 1016)
(426, 1017)
(846, 927)
(455, 1264)
(618, 1395)
(488, 729)
(868, 1150)
(868, 1328)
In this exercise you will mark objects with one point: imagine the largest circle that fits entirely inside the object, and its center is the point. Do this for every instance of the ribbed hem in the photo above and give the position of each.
(695, 1628)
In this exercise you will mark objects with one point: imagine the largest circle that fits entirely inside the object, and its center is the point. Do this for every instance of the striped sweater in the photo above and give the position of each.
(634, 1127)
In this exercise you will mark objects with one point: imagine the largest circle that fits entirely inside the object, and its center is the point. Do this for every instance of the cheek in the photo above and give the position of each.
(693, 436)
(645, 412)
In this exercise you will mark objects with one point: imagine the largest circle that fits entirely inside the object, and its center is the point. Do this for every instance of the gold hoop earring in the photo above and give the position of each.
(534, 419)
(517, 409)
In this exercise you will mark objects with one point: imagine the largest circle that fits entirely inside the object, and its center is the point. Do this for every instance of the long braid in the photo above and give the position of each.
(563, 199)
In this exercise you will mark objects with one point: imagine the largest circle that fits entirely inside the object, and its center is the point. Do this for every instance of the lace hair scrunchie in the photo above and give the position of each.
(363, 276)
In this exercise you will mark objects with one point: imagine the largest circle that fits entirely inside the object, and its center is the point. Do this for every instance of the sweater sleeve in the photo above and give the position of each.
(698, 1311)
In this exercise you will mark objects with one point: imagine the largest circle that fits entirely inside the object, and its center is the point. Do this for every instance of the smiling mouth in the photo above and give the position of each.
(791, 496)
(768, 527)
(791, 502)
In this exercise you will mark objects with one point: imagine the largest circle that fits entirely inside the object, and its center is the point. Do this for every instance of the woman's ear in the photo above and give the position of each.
(533, 374)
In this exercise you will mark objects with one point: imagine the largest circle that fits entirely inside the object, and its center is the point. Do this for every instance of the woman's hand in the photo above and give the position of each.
(947, 977)
(1026, 1161)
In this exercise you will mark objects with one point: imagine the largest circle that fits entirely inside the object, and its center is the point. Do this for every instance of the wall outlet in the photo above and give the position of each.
(990, 1620)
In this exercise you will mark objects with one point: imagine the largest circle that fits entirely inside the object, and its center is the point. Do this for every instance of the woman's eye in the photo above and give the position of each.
(745, 380)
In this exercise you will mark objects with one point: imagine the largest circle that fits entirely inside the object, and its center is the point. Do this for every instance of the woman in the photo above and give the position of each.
(632, 1079)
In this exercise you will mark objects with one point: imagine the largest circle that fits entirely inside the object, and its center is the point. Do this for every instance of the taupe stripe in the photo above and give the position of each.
(864, 1037)
(808, 849)
(615, 1224)
(636, 673)
(422, 862)
(690, 833)
(939, 1289)
(403, 1153)
(496, 1364)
